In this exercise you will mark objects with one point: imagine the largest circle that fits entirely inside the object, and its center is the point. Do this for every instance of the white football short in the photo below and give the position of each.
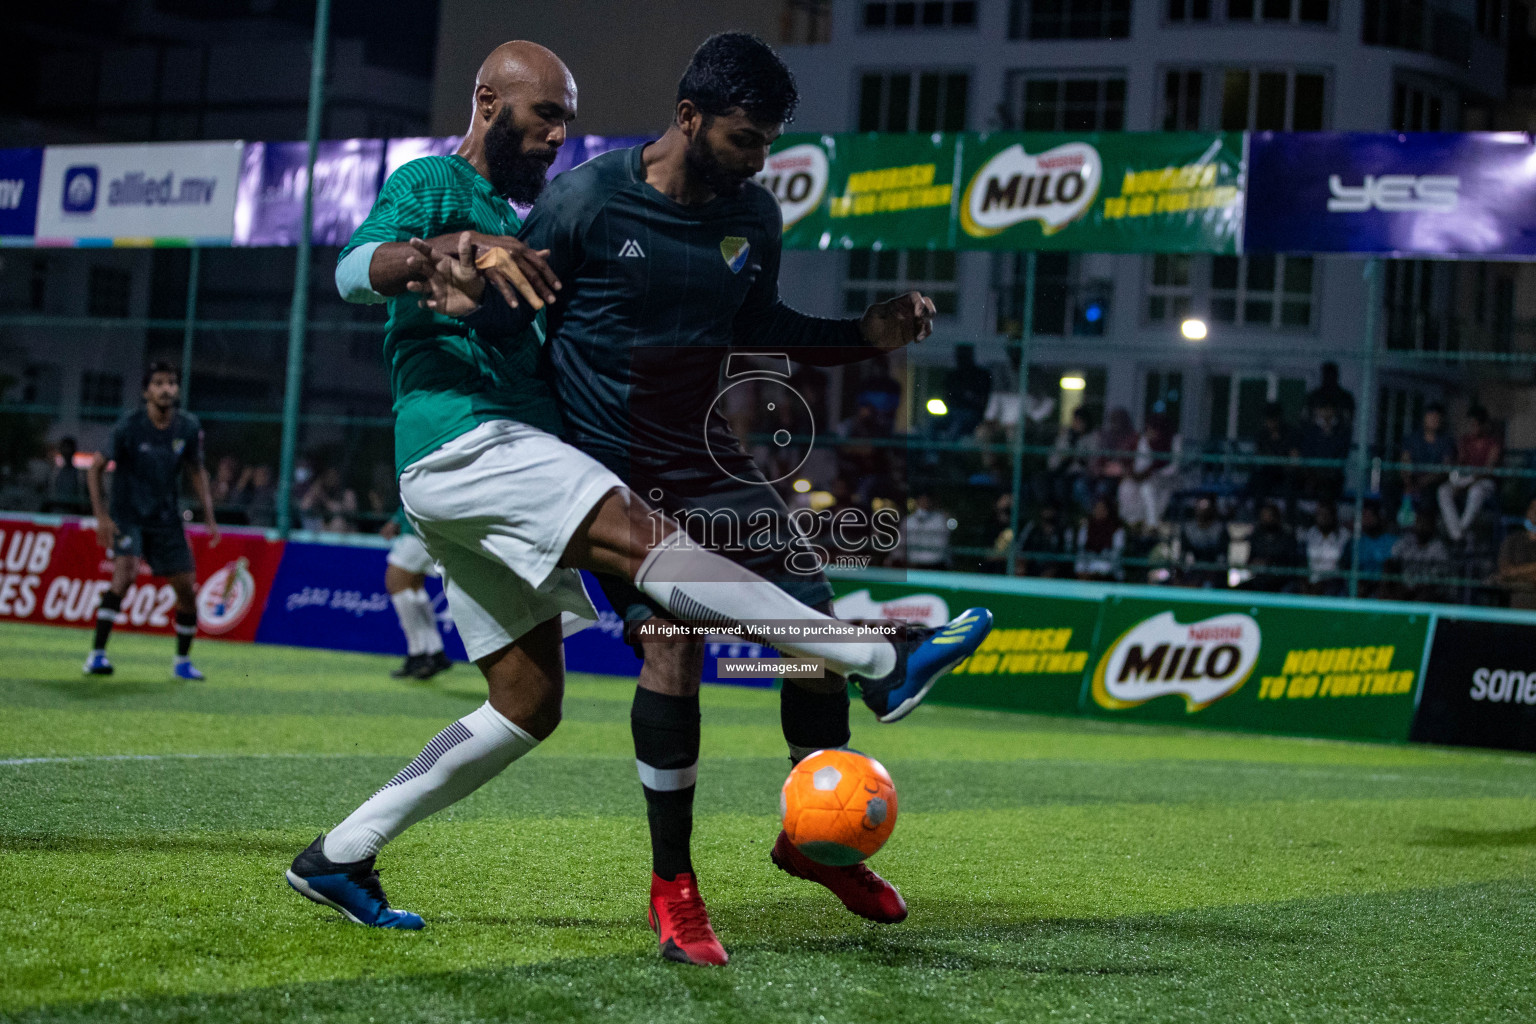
(496, 508)
(410, 554)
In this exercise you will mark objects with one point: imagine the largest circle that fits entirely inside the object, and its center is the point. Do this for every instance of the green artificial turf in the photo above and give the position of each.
(1056, 870)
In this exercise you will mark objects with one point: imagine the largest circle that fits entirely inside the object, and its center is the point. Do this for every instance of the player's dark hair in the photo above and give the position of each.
(1477, 414)
(1438, 407)
(737, 69)
(159, 366)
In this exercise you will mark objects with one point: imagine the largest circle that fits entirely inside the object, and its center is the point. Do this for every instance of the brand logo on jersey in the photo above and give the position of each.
(1200, 661)
(225, 597)
(631, 248)
(1395, 193)
(797, 177)
(1055, 188)
(734, 249)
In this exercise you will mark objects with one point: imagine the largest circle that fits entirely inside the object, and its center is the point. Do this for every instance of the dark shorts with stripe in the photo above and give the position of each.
(745, 522)
(163, 547)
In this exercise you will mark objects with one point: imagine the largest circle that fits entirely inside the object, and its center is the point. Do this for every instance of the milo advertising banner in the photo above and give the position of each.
(1033, 660)
(1104, 192)
(863, 190)
(1314, 671)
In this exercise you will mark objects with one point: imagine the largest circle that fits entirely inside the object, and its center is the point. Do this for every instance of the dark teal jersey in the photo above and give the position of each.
(655, 295)
(147, 466)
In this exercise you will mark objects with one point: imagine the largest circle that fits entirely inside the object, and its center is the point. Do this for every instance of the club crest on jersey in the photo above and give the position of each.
(178, 445)
(734, 249)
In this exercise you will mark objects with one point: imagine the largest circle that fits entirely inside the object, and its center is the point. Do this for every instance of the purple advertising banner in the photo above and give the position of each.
(20, 172)
(1432, 194)
(269, 206)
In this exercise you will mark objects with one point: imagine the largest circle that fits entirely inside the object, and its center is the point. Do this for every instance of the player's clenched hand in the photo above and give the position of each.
(531, 276)
(450, 285)
(106, 532)
(899, 321)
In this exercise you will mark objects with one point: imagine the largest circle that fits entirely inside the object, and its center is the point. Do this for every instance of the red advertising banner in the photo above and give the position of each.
(57, 574)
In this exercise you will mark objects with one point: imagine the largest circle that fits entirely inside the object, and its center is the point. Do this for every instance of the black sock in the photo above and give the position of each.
(666, 731)
(106, 615)
(813, 721)
(186, 629)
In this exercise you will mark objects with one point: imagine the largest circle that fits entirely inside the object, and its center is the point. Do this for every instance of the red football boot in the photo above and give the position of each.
(861, 890)
(681, 923)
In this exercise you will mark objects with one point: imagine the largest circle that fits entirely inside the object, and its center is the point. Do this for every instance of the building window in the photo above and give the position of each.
(930, 14)
(924, 101)
(101, 396)
(1064, 303)
(1262, 291)
(1069, 104)
(107, 291)
(1189, 10)
(805, 22)
(1181, 100)
(1490, 19)
(1422, 106)
(1165, 395)
(1170, 290)
(1070, 19)
(37, 286)
(1268, 100)
(1416, 25)
(877, 275)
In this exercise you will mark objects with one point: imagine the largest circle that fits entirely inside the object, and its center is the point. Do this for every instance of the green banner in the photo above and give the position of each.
(1033, 660)
(1104, 192)
(1321, 672)
(860, 191)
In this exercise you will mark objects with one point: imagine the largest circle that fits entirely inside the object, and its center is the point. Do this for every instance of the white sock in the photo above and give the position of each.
(458, 761)
(430, 636)
(670, 576)
(410, 622)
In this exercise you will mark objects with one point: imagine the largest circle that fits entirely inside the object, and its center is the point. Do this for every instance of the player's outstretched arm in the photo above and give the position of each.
(456, 286)
(903, 320)
(390, 270)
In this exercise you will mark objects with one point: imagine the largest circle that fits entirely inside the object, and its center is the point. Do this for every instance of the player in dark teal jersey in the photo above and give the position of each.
(153, 447)
(668, 256)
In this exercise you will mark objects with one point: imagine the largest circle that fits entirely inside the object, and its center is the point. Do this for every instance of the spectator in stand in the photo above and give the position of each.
(1203, 546)
(1071, 465)
(1272, 481)
(1428, 447)
(225, 476)
(327, 505)
(1422, 560)
(1045, 545)
(1100, 541)
(1330, 393)
(926, 532)
(66, 484)
(966, 394)
(1271, 546)
(1517, 562)
(1118, 436)
(1145, 493)
(1478, 448)
(881, 392)
(1375, 544)
(1324, 543)
(849, 529)
(1000, 534)
(256, 493)
(1325, 435)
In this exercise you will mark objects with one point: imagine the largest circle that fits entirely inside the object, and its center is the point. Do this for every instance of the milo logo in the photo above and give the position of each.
(1201, 662)
(797, 177)
(1055, 188)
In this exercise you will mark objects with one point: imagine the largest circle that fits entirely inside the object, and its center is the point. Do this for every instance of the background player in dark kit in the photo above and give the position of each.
(668, 256)
(152, 448)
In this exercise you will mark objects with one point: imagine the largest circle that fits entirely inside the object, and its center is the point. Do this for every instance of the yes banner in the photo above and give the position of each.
(1104, 192)
(1471, 194)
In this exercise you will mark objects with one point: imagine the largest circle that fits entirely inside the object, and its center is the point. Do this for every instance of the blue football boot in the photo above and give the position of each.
(923, 654)
(353, 889)
(186, 670)
(96, 664)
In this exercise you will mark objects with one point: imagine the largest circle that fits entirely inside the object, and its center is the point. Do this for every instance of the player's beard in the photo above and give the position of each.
(517, 173)
(706, 167)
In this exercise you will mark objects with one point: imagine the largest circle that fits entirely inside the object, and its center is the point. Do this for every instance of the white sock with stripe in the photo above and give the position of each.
(431, 639)
(458, 761)
(698, 585)
(410, 623)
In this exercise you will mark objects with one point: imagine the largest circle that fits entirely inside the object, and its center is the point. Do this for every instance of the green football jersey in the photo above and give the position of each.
(446, 380)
